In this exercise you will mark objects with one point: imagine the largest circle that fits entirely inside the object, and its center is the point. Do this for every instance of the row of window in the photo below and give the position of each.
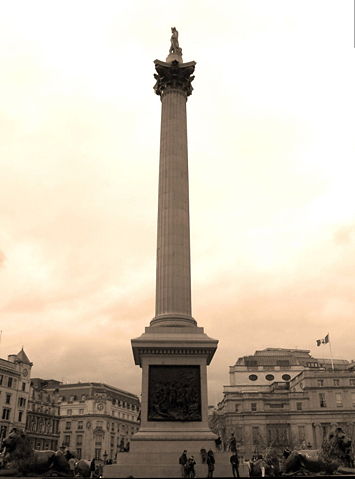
(336, 382)
(269, 377)
(6, 412)
(78, 440)
(299, 405)
(129, 417)
(21, 400)
(99, 424)
(8, 381)
(338, 400)
(117, 402)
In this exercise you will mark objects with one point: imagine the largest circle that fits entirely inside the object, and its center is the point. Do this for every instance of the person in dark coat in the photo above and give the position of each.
(210, 463)
(190, 467)
(234, 460)
(232, 443)
(93, 468)
(182, 462)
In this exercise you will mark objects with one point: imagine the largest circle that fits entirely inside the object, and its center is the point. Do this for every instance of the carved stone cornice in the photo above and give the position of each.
(173, 76)
(177, 351)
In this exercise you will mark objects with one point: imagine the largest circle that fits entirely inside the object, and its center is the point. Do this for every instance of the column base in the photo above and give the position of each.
(173, 319)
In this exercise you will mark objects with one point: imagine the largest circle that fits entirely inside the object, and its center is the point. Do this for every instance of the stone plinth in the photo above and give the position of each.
(174, 405)
(163, 464)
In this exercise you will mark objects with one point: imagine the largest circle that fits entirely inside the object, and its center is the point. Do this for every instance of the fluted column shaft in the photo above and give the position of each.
(173, 280)
(173, 277)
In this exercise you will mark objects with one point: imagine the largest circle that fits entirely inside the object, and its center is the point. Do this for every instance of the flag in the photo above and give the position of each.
(323, 341)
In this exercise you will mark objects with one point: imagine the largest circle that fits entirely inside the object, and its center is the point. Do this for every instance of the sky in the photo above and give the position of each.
(271, 159)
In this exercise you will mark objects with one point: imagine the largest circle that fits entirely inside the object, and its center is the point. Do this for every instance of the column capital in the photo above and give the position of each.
(173, 76)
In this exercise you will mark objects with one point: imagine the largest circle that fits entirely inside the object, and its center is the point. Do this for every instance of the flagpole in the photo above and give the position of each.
(331, 354)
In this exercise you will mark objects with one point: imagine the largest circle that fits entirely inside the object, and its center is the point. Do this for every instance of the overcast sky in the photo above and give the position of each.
(271, 157)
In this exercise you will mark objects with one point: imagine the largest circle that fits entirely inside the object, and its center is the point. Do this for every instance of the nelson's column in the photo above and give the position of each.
(173, 352)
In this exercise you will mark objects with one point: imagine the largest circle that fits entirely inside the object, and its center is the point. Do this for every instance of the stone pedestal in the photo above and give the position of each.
(166, 465)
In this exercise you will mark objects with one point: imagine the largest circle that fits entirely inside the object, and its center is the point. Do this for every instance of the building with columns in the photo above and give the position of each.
(97, 420)
(285, 397)
(15, 377)
(42, 425)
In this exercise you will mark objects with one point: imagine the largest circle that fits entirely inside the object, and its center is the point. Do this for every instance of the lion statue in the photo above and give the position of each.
(20, 458)
(334, 453)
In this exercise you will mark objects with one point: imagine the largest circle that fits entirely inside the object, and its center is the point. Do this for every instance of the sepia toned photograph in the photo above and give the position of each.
(177, 238)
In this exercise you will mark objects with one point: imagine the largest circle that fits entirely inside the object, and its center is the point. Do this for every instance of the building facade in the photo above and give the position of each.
(42, 425)
(285, 398)
(15, 374)
(97, 420)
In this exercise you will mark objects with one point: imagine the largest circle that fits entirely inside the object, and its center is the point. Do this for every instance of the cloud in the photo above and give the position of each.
(2, 259)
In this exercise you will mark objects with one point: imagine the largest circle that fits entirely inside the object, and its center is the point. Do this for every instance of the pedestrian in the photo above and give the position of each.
(218, 443)
(72, 461)
(232, 443)
(210, 463)
(183, 462)
(234, 460)
(93, 468)
(190, 467)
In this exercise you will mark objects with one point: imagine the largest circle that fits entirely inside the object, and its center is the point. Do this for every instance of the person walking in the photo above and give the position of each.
(234, 460)
(210, 463)
(232, 443)
(183, 462)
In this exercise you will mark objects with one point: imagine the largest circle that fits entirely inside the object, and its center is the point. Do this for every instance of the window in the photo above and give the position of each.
(79, 440)
(1, 378)
(20, 414)
(339, 399)
(237, 408)
(66, 441)
(251, 363)
(353, 399)
(299, 406)
(269, 377)
(285, 363)
(23, 386)
(9, 382)
(322, 401)
(286, 377)
(80, 425)
(301, 433)
(3, 431)
(68, 425)
(78, 452)
(253, 406)
(21, 402)
(351, 381)
(336, 382)
(320, 382)
(253, 377)
(6, 413)
(97, 453)
(81, 411)
(255, 434)
(8, 398)
(69, 412)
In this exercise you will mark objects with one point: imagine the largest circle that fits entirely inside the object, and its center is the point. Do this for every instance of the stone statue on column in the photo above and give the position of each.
(174, 40)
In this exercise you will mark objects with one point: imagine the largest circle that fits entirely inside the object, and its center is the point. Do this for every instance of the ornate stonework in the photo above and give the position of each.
(174, 393)
(173, 76)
